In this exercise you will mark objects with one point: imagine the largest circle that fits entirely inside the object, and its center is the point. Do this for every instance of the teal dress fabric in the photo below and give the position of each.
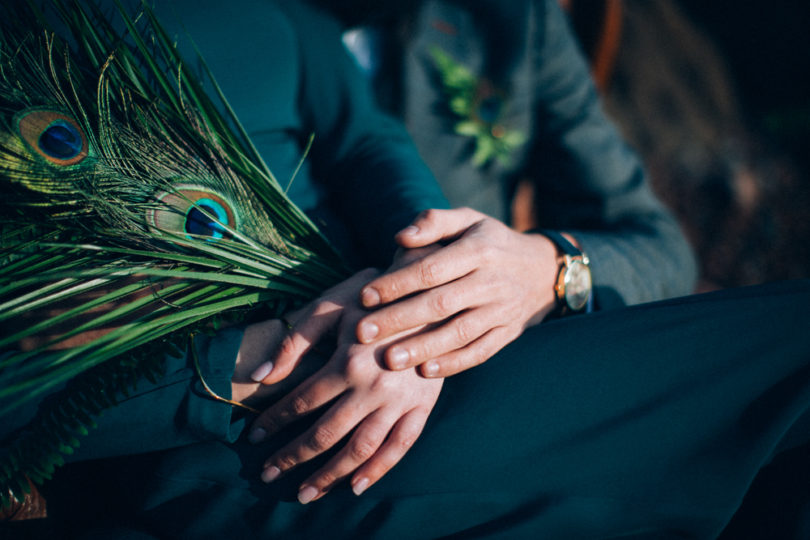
(362, 182)
(286, 78)
(645, 422)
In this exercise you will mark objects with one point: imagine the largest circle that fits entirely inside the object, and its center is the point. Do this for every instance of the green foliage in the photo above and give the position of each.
(477, 105)
(133, 208)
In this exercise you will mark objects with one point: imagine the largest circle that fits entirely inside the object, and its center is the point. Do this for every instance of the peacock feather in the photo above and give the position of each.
(134, 212)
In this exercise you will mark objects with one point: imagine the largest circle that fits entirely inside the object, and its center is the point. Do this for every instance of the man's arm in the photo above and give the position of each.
(590, 183)
(372, 173)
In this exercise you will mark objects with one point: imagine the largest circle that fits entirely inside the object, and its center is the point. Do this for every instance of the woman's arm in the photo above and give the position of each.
(367, 165)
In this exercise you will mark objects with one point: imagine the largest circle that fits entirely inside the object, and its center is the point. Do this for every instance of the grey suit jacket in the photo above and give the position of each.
(533, 79)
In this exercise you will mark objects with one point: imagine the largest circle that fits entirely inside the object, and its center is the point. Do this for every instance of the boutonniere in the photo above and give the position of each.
(478, 106)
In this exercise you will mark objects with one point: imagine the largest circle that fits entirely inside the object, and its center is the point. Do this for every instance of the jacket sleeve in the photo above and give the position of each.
(365, 160)
(589, 183)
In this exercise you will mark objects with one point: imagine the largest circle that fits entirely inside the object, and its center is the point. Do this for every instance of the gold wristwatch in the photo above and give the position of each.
(574, 284)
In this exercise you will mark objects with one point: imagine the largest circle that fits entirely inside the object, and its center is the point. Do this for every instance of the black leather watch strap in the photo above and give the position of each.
(559, 240)
(572, 256)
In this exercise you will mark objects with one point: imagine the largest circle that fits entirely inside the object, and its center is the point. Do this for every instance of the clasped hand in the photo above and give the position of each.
(463, 286)
(382, 411)
(477, 293)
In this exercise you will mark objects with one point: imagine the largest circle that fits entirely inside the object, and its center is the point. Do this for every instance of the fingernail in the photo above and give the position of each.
(307, 494)
(370, 297)
(270, 474)
(399, 357)
(360, 486)
(257, 435)
(432, 368)
(368, 331)
(262, 371)
(410, 230)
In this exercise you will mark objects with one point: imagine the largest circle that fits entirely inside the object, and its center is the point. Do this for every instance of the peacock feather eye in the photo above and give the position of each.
(194, 211)
(53, 135)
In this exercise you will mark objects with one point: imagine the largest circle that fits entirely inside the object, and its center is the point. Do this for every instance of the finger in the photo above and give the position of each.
(308, 326)
(477, 352)
(404, 257)
(438, 268)
(434, 305)
(310, 395)
(335, 424)
(458, 332)
(300, 338)
(401, 439)
(433, 226)
(259, 341)
(362, 445)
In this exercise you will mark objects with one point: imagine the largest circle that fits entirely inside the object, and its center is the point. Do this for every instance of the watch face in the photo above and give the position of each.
(577, 285)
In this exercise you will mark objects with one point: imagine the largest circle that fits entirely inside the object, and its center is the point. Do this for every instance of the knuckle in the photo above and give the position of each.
(384, 384)
(406, 441)
(357, 364)
(441, 304)
(430, 215)
(394, 318)
(268, 424)
(286, 461)
(361, 450)
(478, 355)
(388, 288)
(287, 346)
(326, 479)
(453, 364)
(488, 252)
(322, 439)
(428, 272)
(464, 331)
(299, 405)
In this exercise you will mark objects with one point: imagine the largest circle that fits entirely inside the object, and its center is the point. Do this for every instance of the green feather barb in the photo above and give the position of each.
(135, 210)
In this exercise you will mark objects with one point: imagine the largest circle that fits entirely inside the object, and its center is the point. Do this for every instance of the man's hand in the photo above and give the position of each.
(270, 358)
(478, 292)
(383, 410)
(309, 325)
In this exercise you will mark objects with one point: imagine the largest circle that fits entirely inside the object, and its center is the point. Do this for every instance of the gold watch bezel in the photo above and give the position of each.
(571, 268)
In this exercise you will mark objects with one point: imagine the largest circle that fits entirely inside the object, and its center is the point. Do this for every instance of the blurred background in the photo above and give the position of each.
(716, 97)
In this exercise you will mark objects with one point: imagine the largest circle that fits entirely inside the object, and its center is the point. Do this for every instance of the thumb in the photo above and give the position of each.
(433, 226)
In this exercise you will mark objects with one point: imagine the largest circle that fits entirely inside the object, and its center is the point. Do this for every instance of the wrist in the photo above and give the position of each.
(541, 276)
(573, 283)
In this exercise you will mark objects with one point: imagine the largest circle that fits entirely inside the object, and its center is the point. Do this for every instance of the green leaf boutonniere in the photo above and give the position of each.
(478, 105)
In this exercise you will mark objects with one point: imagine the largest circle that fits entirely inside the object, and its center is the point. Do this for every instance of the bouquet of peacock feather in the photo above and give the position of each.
(135, 213)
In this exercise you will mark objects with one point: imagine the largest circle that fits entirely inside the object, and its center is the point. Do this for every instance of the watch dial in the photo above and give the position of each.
(577, 285)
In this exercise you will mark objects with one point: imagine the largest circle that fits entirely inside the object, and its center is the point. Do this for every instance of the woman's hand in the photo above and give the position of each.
(260, 342)
(478, 292)
(307, 326)
(383, 410)
(273, 358)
